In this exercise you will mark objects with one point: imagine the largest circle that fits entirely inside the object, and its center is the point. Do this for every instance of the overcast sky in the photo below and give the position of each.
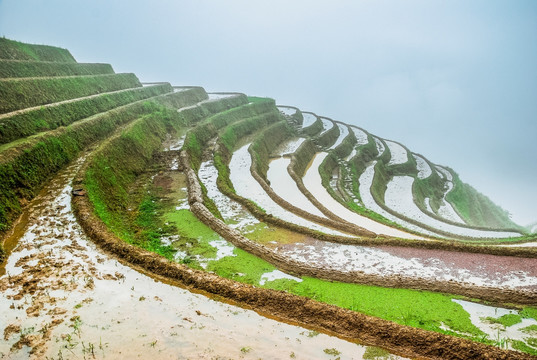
(453, 80)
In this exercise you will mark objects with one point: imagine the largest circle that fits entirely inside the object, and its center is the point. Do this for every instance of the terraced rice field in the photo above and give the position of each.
(150, 220)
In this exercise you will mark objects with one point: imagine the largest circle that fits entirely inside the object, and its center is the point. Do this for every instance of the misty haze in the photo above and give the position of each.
(307, 179)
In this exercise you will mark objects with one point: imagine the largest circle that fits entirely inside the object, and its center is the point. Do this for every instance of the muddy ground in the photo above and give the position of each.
(63, 298)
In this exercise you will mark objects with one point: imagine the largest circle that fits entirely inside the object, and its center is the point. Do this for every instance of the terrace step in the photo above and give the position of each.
(26, 68)
(15, 50)
(29, 121)
(26, 163)
(16, 94)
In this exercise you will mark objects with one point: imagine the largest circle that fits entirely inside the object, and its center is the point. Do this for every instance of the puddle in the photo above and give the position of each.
(312, 181)
(380, 145)
(327, 125)
(177, 89)
(309, 119)
(399, 198)
(343, 132)
(366, 180)
(529, 244)
(276, 275)
(398, 153)
(289, 147)
(447, 174)
(498, 332)
(424, 170)
(174, 144)
(351, 155)
(218, 96)
(235, 215)
(283, 184)
(287, 110)
(246, 186)
(446, 211)
(428, 205)
(223, 249)
(361, 135)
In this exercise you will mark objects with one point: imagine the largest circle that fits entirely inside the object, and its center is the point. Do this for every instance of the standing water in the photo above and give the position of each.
(61, 297)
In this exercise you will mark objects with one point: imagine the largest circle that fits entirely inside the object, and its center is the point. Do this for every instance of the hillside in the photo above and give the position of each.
(309, 219)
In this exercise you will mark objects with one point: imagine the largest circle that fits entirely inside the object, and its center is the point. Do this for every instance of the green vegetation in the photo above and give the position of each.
(50, 117)
(328, 137)
(477, 209)
(226, 103)
(431, 187)
(230, 135)
(332, 351)
(313, 129)
(116, 164)
(532, 329)
(375, 353)
(147, 230)
(522, 346)
(116, 177)
(328, 167)
(302, 157)
(345, 148)
(25, 167)
(421, 309)
(194, 237)
(297, 118)
(23, 93)
(505, 320)
(20, 69)
(384, 174)
(209, 128)
(364, 154)
(529, 313)
(15, 50)
(181, 99)
(267, 141)
(233, 124)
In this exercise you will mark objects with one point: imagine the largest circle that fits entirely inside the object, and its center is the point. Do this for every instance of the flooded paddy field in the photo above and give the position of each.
(445, 314)
(434, 265)
(246, 186)
(399, 198)
(312, 181)
(63, 298)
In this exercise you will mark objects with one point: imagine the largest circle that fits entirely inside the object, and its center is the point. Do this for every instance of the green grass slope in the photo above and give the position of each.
(24, 68)
(45, 118)
(16, 94)
(15, 50)
(477, 209)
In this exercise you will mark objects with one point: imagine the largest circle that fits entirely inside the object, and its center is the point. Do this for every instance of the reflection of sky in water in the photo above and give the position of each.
(313, 182)
(232, 212)
(284, 186)
(246, 186)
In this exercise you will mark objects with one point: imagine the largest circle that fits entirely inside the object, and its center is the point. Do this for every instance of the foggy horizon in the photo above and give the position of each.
(454, 81)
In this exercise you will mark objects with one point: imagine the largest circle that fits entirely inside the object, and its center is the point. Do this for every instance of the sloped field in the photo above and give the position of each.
(193, 197)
